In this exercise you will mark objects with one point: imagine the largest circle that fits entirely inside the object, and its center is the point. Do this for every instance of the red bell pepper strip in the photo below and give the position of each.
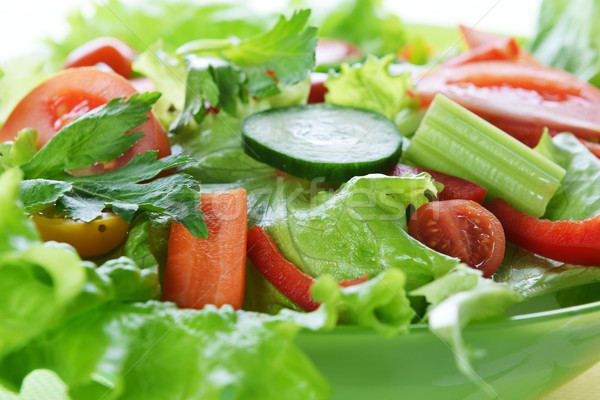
(572, 242)
(285, 276)
(454, 187)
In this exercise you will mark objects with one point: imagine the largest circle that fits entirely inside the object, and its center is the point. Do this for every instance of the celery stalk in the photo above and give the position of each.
(453, 140)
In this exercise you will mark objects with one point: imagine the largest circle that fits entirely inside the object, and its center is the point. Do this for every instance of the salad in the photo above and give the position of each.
(184, 193)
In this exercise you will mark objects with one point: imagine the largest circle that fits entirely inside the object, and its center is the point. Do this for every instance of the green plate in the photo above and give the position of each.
(524, 357)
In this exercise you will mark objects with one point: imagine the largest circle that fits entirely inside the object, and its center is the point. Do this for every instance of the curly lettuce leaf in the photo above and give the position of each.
(380, 303)
(183, 353)
(371, 86)
(39, 382)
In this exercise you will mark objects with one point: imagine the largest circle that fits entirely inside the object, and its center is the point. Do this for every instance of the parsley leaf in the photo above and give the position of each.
(237, 69)
(125, 191)
(96, 136)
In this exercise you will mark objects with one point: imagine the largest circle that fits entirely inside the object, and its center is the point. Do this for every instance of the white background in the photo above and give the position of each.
(24, 22)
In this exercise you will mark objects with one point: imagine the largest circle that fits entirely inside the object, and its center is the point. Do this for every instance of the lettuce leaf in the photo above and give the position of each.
(358, 229)
(216, 147)
(172, 22)
(182, 353)
(458, 299)
(568, 37)
(578, 197)
(371, 86)
(367, 24)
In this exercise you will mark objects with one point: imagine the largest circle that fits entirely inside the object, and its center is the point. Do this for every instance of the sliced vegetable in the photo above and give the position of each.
(105, 50)
(454, 187)
(332, 51)
(90, 239)
(455, 140)
(573, 242)
(211, 270)
(317, 87)
(475, 38)
(462, 229)
(285, 276)
(516, 96)
(501, 49)
(71, 93)
(323, 140)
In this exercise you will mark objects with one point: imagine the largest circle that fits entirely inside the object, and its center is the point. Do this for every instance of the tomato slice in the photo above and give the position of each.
(331, 51)
(573, 242)
(462, 229)
(90, 239)
(317, 88)
(105, 50)
(285, 276)
(71, 93)
(519, 94)
(454, 187)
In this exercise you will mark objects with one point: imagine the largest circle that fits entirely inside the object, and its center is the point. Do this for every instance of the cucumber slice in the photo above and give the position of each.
(323, 141)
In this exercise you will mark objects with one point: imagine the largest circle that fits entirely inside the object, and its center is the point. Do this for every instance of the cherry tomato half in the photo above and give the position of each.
(106, 50)
(90, 239)
(71, 93)
(462, 229)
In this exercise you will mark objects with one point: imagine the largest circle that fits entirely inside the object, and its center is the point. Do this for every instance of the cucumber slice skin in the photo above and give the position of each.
(282, 149)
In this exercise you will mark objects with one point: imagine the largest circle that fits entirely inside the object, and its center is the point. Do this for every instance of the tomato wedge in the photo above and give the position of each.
(285, 276)
(572, 242)
(331, 51)
(515, 96)
(90, 239)
(462, 229)
(105, 50)
(454, 187)
(211, 270)
(71, 93)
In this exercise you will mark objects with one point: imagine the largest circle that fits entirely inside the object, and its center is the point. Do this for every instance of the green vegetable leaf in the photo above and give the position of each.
(380, 303)
(98, 135)
(216, 145)
(19, 152)
(204, 354)
(568, 37)
(38, 194)
(172, 22)
(288, 50)
(372, 87)
(38, 281)
(459, 298)
(531, 275)
(358, 229)
(38, 382)
(209, 80)
(578, 196)
(367, 24)
(175, 195)
(17, 233)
